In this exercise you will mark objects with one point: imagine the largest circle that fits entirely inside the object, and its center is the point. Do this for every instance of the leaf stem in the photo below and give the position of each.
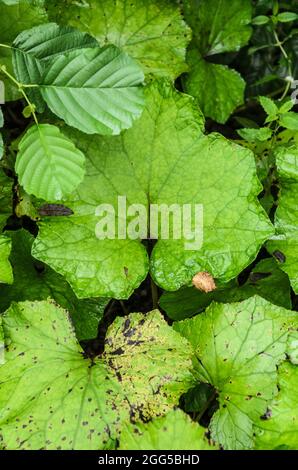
(289, 64)
(6, 46)
(20, 87)
(154, 293)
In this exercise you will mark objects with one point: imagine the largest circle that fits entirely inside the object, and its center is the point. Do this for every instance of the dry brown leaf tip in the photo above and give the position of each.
(204, 282)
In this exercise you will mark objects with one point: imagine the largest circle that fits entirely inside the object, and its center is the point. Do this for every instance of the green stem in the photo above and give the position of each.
(6, 46)
(154, 293)
(20, 87)
(289, 64)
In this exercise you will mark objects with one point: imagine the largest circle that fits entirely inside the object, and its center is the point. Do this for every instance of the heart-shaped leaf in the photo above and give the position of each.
(169, 131)
(53, 397)
(238, 347)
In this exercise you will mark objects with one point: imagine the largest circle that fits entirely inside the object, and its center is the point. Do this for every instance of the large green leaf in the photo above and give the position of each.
(15, 18)
(238, 347)
(34, 47)
(5, 198)
(95, 89)
(35, 281)
(6, 275)
(63, 400)
(175, 431)
(209, 84)
(162, 159)
(152, 32)
(218, 26)
(285, 245)
(265, 280)
(278, 427)
(48, 164)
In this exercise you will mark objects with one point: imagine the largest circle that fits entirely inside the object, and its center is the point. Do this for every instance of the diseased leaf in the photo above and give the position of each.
(6, 275)
(48, 164)
(95, 90)
(73, 402)
(209, 82)
(35, 281)
(265, 280)
(278, 428)
(154, 32)
(285, 244)
(33, 48)
(235, 225)
(175, 431)
(237, 348)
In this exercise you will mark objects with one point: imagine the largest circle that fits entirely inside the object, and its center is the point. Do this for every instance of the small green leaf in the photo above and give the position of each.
(64, 400)
(95, 90)
(48, 164)
(251, 135)
(287, 106)
(260, 20)
(28, 111)
(6, 274)
(238, 347)
(286, 17)
(278, 427)
(268, 105)
(289, 120)
(161, 433)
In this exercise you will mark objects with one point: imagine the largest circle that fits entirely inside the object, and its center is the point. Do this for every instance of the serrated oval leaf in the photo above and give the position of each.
(95, 90)
(63, 400)
(48, 163)
(34, 47)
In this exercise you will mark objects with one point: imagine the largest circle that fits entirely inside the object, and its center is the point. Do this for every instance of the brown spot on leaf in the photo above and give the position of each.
(204, 282)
